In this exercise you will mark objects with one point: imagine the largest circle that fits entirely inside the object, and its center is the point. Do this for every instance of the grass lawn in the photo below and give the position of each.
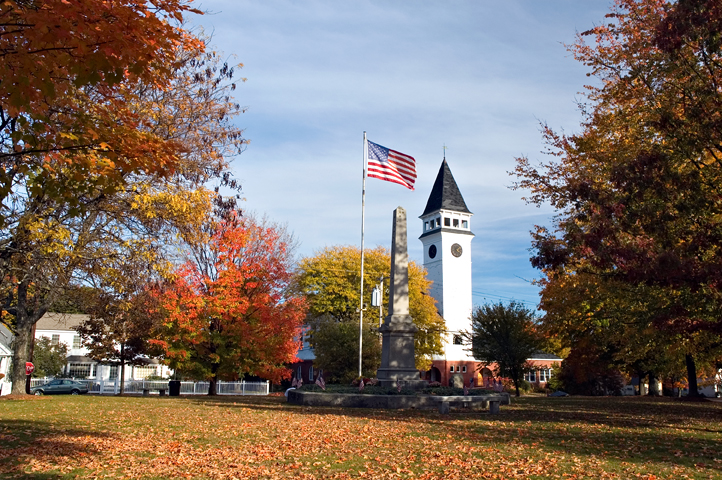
(263, 437)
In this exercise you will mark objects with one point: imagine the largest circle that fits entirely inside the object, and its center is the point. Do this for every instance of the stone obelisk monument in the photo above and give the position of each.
(397, 354)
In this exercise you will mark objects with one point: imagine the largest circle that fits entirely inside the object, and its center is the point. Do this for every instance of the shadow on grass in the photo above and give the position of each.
(634, 430)
(25, 442)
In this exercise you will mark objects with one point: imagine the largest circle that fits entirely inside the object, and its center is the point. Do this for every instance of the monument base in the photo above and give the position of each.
(409, 378)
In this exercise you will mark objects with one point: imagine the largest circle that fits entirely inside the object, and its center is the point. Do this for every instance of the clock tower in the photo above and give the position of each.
(447, 257)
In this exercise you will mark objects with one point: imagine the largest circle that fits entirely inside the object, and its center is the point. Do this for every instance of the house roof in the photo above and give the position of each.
(6, 337)
(545, 356)
(445, 194)
(60, 321)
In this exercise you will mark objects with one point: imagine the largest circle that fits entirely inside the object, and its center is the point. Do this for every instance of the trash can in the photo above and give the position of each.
(174, 388)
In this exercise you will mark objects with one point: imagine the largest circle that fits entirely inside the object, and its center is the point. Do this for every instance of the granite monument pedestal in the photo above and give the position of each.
(397, 332)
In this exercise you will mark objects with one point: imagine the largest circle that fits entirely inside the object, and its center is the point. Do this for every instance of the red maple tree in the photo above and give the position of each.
(228, 311)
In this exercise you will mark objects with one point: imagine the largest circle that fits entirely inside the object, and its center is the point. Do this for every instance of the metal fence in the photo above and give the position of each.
(109, 387)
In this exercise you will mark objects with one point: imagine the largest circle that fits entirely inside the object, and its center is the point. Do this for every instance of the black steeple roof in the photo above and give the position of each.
(445, 194)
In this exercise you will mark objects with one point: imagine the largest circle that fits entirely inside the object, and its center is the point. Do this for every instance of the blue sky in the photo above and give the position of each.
(477, 76)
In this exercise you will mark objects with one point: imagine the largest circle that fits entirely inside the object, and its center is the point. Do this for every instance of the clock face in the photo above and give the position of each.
(456, 250)
(432, 251)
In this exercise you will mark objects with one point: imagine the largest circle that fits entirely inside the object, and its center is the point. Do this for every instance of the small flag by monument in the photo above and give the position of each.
(466, 390)
(361, 385)
(471, 382)
(294, 383)
(398, 385)
(390, 165)
(320, 382)
(299, 384)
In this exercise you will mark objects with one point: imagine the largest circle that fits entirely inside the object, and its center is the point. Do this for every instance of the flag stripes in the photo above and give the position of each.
(390, 165)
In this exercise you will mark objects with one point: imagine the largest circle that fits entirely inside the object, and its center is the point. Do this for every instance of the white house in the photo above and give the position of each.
(6, 356)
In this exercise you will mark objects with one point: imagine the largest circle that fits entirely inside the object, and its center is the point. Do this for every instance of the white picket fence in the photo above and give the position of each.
(106, 387)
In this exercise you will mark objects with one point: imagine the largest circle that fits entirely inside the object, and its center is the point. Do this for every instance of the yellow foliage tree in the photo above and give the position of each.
(330, 281)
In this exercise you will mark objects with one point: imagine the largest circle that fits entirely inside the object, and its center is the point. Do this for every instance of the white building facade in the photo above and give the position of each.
(446, 238)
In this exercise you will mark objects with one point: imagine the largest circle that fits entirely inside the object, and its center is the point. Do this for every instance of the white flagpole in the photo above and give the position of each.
(361, 308)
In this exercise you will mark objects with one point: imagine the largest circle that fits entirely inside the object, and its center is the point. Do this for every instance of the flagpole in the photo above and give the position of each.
(361, 308)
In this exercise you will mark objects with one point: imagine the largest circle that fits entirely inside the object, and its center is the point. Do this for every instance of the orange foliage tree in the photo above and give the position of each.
(228, 311)
(64, 64)
(637, 190)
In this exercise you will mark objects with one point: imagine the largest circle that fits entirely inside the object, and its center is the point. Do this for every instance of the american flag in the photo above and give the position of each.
(320, 382)
(466, 390)
(361, 385)
(398, 385)
(390, 165)
(294, 383)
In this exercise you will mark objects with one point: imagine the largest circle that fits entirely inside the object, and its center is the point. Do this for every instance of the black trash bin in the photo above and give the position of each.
(174, 388)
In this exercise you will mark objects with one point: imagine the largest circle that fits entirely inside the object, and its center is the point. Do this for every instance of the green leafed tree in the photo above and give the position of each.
(504, 336)
(49, 359)
(334, 339)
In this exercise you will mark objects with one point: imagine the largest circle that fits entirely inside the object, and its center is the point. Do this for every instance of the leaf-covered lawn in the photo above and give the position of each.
(263, 437)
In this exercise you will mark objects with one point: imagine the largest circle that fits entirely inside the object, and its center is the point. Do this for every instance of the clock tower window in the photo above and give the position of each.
(456, 222)
(447, 222)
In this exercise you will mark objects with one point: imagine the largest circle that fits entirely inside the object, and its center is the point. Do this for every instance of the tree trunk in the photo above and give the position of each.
(516, 385)
(653, 390)
(23, 338)
(212, 385)
(122, 369)
(692, 376)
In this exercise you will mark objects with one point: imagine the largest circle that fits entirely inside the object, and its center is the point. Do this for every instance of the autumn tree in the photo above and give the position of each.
(330, 281)
(637, 189)
(505, 336)
(73, 225)
(123, 313)
(228, 311)
(55, 50)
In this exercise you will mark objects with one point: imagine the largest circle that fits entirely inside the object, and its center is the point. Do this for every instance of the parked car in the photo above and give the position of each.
(58, 386)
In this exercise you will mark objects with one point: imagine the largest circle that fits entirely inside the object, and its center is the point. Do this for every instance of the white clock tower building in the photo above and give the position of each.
(447, 257)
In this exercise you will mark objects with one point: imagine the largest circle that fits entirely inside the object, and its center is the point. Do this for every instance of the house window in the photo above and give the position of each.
(457, 340)
(458, 368)
(79, 370)
(447, 222)
(543, 375)
(456, 222)
(530, 377)
(113, 372)
(452, 369)
(465, 224)
(299, 372)
(310, 373)
(76, 341)
(55, 340)
(140, 373)
(463, 369)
